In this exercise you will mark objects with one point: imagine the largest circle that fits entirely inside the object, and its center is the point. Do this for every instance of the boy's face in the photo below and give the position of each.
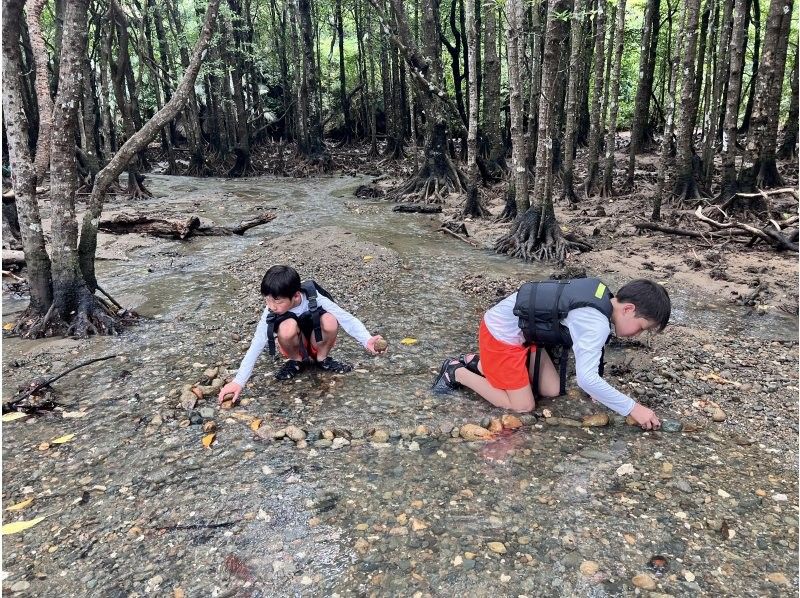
(627, 323)
(280, 305)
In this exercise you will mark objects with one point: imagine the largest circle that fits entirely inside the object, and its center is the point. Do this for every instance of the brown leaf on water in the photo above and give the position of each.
(237, 568)
(178, 593)
(255, 424)
(208, 439)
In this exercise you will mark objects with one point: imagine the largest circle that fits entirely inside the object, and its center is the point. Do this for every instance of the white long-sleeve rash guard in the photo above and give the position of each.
(351, 325)
(589, 330)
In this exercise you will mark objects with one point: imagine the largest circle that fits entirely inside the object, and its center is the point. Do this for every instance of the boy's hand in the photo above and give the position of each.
(381, 346)
(231, 388)
(645, 417)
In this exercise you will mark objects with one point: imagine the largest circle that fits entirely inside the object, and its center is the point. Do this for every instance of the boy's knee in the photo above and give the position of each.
(550, 388)
(288, 329)
(526, 406)
(329, 323)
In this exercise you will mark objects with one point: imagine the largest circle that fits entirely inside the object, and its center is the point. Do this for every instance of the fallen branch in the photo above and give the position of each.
(10, 404)
(13, 257)
(775, 238)
(416, 208)
(121, 224)
(457, 236)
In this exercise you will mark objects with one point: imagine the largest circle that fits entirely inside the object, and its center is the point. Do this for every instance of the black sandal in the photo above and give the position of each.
(446, 379)
(289, 370)
(472, 364)
(329, 364)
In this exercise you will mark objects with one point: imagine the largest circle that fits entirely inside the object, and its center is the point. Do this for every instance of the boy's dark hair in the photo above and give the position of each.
(280, 282)
(650, 298)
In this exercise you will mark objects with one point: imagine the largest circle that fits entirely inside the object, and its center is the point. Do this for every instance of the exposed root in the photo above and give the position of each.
(533, 239)
(473, 206)
(687, 190)
(591, 184)
(243, 165)
(509, 212)
(135, 188)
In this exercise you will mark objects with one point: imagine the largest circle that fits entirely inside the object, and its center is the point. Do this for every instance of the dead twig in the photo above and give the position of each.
(9, 405)
(457, 236)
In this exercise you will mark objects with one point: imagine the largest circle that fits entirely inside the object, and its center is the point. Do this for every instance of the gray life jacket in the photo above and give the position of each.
(308, 320)
(541, 306)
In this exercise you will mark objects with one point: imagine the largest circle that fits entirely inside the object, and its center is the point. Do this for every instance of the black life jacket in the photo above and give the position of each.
(541, 306)
(309, 319)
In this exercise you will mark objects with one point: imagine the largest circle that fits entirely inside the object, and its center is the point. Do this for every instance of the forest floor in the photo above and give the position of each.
(366, 484)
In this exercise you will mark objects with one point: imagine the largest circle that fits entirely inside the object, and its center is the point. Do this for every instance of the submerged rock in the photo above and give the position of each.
(671, 425)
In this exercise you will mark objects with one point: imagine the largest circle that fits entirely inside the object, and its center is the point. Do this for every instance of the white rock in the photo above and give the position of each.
(688, 575)
(780, 497)
(625, 469)
(723, 494)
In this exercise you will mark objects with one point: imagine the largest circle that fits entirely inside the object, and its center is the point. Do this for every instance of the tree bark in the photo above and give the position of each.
(607, 189)
(686, 166)
(515, 18)
(788, 147)
(494, 150)
(314, 148)
(472, 205)
(590, 183)
(666, 140)
(34, 16)
(748, 109)
(720, 74)
(729, 180)
(535, 234)
(23, 177)
(576, 45)
(345, 102)
(641, 136)
(759, 169)
(135, 143)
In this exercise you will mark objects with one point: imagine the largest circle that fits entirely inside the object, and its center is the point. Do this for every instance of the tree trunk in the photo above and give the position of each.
(611, 140)
(686, 166)
(584, 115)
(45, 102)
(669, 120)
(345, 102)
(135, 143)
(576, 45)
(516, 50)
(723, 64)
(591, 183)
(535, 38)
(700, 60)
(472, 205)
(748, 109)
(243, 165)
(535, 235)
(759, 169)
(494, 150)
(729, 183)
(314, 147)
(641, 136)
(23, 177)
(788, 147)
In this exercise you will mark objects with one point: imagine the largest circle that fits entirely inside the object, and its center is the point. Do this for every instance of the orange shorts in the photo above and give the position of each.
(505, 366)
(311, 349)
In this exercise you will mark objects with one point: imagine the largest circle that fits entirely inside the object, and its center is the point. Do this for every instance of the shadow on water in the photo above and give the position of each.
(419, 513)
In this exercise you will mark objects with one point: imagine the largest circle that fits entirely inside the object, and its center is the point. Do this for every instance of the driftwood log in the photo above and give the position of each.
(121, 224)
(417, 208)
(12, 257)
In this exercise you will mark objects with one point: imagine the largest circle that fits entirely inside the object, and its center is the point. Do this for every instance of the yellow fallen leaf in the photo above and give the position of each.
(255, 424)
(20, 526)
(368, 257)
(8, 326)
(20, 505)
(409, 341)
(63, 439)
(12, 415)
(208, 439)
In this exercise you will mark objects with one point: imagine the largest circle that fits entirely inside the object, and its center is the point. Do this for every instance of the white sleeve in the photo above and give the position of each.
(589, 330)
(351, 324)
(256, 347)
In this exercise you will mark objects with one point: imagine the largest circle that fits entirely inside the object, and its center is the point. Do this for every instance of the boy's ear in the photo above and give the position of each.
(628, 308)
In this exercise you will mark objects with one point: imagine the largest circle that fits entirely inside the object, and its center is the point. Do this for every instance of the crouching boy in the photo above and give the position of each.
(305, 321)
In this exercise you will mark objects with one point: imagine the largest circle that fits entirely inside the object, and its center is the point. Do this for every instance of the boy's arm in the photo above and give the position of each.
(589, 330)
(256, 347)
(351, 324)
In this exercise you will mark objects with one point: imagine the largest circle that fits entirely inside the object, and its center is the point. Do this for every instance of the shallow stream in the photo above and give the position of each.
(135, 504)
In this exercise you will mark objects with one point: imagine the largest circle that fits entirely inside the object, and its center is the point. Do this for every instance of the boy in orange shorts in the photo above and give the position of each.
(574, 314)
(305, 321)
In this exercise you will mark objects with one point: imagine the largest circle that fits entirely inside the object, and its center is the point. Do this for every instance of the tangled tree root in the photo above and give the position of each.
(533, 239)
